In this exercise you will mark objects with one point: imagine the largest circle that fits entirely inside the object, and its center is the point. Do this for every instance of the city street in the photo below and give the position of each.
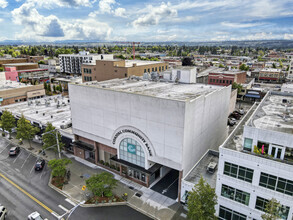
(24, 190)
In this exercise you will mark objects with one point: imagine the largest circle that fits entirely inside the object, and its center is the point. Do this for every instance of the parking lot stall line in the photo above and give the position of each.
(4, 148)
(17, 156)
(33, 167)
(25, 160)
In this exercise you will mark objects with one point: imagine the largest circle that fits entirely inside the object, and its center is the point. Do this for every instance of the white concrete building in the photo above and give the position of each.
(145, 128)
(256, 161)
(184, 74)
(290, 71)
(71, 63)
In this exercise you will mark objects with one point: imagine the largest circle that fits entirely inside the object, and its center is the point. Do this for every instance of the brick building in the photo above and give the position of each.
(226, 78)
(270, 74)
(111, 69)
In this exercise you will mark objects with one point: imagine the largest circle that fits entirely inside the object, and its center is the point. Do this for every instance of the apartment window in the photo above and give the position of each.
(229, 214)
(90, 78)
(214, 80)
(160, 69)
(211, 80)
(268, 181)
(156, 69)
(148, 69)
(217, 80)
(274, 183)
(285, 186)
(238, 172)
(220, 81)
(230, 81)
(163, 68)
(223, 81)
(235, 194)
(144, 70)
(261, 203)
(125, 74)
(166, 67)
(85, 78)
(152, 69)
(247, 144)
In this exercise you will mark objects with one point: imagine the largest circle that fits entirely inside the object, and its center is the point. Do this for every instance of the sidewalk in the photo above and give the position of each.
(148, 201)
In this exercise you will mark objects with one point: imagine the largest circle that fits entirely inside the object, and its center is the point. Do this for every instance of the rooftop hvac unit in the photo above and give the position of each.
(44, 114)
(212, 167)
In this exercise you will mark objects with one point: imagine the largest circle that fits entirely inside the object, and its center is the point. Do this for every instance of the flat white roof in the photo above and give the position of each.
(129, 63)
(7, 84)
(37, 111)
(166, 90)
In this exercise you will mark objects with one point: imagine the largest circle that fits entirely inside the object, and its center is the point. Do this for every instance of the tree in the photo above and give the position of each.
(237, 86)
(272, 210)
(101, 184)
(243, 67)
(58, 166)
(187, 61)
(54, 88)
(201, 202)
(25, 130)
(49, 139)
(7, 121)
(221, 66)
(274, 66)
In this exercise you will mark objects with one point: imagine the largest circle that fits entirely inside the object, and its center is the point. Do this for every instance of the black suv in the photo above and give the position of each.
(40, 163)
(14, 151)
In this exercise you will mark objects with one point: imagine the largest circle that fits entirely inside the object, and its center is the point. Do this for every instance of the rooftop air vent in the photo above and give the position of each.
(212, 167)
(44, 114)
(37, 112)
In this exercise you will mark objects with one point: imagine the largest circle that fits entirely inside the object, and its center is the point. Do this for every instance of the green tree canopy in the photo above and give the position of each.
(101, 184)
(7, 121)
(58, 166)
(243, 67)
(25, 130)
(274, 66)
(237, 86)
(49, 139)
(272, 210)
(201, 202)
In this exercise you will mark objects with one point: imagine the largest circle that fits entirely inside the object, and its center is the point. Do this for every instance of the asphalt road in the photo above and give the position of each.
(24, 190)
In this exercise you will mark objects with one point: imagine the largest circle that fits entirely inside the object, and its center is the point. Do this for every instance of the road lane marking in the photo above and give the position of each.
(17, 156)
(62, 207)
(25, 161)
(71, 202)
(4, 148)
(27, 194)
(33, 167)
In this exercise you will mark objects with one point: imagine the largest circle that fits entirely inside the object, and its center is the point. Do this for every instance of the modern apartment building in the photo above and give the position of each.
(101, 70)
(256, 161)
(145, 129)
(71, 63)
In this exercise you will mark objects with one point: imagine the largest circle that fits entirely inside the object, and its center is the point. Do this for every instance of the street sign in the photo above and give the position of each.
(83, 188)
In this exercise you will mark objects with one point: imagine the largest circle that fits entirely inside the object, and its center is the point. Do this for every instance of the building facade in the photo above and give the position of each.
(71, 63)
(256, 162)
(111, 69)
(143, 129)
(14, 92)
(226, 78)
(270, 75)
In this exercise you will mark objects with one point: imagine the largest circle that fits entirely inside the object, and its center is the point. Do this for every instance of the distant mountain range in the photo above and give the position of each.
(254, 43)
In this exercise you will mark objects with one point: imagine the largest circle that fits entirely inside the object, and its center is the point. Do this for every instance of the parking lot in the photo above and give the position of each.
(20, 170)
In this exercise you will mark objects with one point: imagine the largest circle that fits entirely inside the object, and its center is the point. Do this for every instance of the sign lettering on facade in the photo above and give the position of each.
(137, 135)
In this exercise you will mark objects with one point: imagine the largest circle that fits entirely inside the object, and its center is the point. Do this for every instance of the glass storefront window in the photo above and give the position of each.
(131, 151)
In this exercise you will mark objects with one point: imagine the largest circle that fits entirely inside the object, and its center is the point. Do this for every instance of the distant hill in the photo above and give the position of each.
(255, 43)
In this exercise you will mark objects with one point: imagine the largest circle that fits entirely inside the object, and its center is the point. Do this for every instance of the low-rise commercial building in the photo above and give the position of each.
(13, 92)
(27, 75)
(226, 77)
(101, 70)
(270, 75)
(256, 161)
(143, 129)
(12, 60)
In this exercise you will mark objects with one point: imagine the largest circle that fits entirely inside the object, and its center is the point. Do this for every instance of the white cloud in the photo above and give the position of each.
(1, 19)
(38, 27)
(288, 36)
(3, 3)
(50, 4)
(258, 36)
(120, 12)
(155, 14)
(266, 8)
(106, 6)
(204, 5)
(240, 25)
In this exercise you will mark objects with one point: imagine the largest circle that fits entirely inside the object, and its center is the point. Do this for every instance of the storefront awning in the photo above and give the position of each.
(252, 96)
(152, 170)
(83, 145)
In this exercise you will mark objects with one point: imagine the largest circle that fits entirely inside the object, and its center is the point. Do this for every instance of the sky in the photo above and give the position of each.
(146, 21)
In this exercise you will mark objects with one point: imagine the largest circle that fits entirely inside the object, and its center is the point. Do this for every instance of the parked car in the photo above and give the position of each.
(35, 216)
(3, 212)
(231, 121)
(235, 115)
(240, 112)
(39, 165)
(14, 151)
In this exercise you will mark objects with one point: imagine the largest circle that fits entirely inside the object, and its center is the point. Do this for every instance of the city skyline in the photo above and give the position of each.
(121, 20)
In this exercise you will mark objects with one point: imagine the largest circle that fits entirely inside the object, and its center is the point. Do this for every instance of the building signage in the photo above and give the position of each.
(137, 135)
(131, 148)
